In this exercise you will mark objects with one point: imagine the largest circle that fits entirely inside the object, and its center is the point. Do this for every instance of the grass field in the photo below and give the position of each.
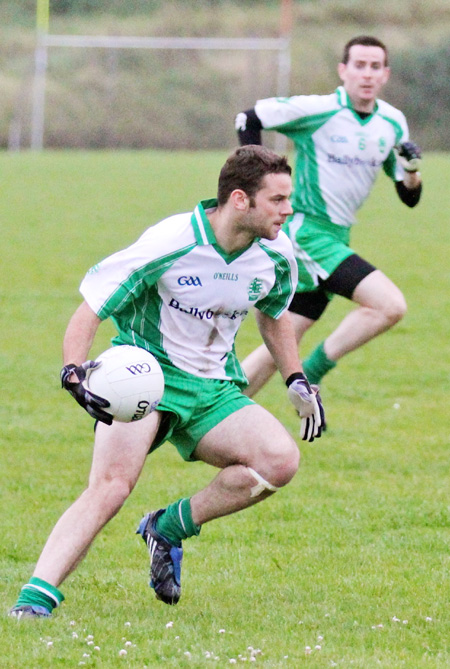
(346, 567)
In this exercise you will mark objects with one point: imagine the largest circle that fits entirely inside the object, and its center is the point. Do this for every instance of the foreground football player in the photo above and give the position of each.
(342, 142)
(181, 291)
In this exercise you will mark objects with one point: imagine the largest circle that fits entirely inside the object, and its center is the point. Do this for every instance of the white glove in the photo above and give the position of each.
(307, 401)
(409, 155)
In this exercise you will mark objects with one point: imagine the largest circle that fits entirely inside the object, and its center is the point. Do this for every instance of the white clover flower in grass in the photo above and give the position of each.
(169, 624)
(307, 650)
(318, 647)
(49, 644)
(222, 631)
(127, 624)
(395, 619)
(74, 635)
(122, 652)
(90, 643)
(320, 638)
(96, 647)
(232, 660)
(89, 637)
(72, 623)
(428, 619)
(187, 654)
(127, 643)
(405, 622)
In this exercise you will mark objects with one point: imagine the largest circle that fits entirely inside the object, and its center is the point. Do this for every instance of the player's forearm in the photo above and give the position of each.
(409, 156)
(409, 195)
(80, 334)
(279, 337)
(412, 180)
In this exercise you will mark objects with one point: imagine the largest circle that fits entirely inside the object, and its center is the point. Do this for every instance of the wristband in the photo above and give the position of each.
(66, 372)
(294, 376)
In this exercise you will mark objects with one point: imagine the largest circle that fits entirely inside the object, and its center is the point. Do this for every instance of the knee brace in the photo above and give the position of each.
(261, 485)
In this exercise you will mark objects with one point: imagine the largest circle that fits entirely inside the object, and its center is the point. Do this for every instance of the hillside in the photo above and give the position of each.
(187, 99)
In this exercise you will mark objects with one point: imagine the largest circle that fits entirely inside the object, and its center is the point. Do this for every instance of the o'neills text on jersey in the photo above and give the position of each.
(226, 276)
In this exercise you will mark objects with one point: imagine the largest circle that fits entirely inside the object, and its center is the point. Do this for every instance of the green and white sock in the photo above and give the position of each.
(317, 364)
(176, 523)
(40, 593)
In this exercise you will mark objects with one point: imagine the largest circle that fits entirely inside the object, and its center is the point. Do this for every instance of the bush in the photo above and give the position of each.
(421, 91)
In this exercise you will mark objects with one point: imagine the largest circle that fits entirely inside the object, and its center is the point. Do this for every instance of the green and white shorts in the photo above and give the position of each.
(320, 247)
(327, 266)
(192, 406)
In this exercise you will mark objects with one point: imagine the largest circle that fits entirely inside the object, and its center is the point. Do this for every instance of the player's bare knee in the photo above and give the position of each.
(395, 309)
(288, 468)
(112, 492)
(281, 464)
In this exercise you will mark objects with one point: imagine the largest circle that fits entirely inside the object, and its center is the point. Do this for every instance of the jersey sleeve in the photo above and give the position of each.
(275, 303)
(391, 165)
(294, 112)
(113, 283)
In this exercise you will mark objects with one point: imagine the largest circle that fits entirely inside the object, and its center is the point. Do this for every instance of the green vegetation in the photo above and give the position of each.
(187, 99)
(352, 556)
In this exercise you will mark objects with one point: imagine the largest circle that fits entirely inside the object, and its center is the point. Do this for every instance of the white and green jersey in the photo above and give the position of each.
(338, 154)
(176, 293)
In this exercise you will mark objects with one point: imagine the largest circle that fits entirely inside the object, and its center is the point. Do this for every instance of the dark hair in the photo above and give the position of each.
(364, 40)
(246, 168)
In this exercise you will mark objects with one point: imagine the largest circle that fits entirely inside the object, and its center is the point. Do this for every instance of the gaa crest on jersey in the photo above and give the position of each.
(254, 289)
(189, 281)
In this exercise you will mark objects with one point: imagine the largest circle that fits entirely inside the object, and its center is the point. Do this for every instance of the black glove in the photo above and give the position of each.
(308, 403)
(410, 156)
(93, 404)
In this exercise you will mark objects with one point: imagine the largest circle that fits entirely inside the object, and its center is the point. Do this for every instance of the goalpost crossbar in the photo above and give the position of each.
(45, 40)
(124, 42)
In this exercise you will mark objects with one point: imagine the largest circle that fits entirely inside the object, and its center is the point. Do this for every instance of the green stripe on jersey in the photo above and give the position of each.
(204, 234)
(138, 281)
(307, 195)
(279, 297)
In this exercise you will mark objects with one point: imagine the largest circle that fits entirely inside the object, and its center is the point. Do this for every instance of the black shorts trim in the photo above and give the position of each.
(310, 304)
(342, 281)
(347, 276)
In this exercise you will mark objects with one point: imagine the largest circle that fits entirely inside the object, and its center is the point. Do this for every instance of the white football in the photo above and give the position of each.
(132, 381)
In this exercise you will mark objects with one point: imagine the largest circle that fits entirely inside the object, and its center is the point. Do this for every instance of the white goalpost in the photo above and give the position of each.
(45, 40)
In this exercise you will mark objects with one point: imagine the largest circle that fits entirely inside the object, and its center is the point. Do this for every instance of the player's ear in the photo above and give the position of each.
(387, 74)
(239, 199)
(341, 70)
